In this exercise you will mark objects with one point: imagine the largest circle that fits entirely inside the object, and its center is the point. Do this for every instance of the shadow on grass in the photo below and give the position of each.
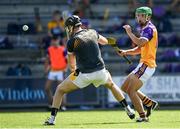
(169, 122)
(104, 123)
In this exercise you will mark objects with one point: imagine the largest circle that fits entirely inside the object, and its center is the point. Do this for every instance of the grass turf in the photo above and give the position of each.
(89, 119)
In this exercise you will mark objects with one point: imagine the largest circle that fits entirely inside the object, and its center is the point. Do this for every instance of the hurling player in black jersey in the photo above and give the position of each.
(86, 65)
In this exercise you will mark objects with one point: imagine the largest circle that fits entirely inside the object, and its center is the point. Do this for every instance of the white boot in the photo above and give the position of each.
(50, 121)
(130, 112)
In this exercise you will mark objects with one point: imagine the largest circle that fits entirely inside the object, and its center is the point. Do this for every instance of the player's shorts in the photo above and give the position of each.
(143, 72)
(56, 75)
(96, 78)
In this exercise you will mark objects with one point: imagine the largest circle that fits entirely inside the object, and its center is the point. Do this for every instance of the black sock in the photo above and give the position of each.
(123, 103)
(54, 111)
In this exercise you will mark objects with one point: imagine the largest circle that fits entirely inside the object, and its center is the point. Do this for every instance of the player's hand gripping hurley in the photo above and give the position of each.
(112, 42)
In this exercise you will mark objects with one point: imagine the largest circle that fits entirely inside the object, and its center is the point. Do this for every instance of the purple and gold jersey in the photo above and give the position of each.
(148, 51)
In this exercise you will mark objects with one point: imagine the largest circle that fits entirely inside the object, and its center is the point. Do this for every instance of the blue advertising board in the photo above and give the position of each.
(29, 92)
(22, 92)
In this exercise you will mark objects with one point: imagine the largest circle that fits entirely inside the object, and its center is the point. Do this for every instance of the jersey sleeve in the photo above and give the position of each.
(147, 33)
(95, 33)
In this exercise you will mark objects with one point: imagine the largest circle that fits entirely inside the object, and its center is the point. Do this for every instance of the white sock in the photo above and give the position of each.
(52, 117)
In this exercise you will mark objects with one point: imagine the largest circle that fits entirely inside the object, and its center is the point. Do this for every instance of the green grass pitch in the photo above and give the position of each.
(89, 119)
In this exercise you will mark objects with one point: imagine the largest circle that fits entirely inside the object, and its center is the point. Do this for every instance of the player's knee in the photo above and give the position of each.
(130, 90)
(61, 90)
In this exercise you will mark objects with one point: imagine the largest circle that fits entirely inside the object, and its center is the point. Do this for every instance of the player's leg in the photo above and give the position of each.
(117, 93)
(143, 73)
(146, 74)
(134, 85)
(60, 78)
(149, 103)
(63, 103)
(49, 91)
(73, 82)
(125, 85)
(48, 86)
(65, 87)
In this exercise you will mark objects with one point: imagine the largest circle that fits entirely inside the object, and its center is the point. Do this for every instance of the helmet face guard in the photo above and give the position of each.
(70, 23)
(69, 31)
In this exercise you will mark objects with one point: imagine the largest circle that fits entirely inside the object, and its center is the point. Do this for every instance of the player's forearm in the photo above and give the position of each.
(72, 63)
(135, 39)
(102, 40)
(134, 51)
(72, 67)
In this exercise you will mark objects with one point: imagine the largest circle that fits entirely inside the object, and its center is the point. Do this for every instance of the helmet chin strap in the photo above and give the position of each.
(147, 18)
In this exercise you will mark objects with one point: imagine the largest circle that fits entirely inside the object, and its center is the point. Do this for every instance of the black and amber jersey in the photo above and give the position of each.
(84, 44)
